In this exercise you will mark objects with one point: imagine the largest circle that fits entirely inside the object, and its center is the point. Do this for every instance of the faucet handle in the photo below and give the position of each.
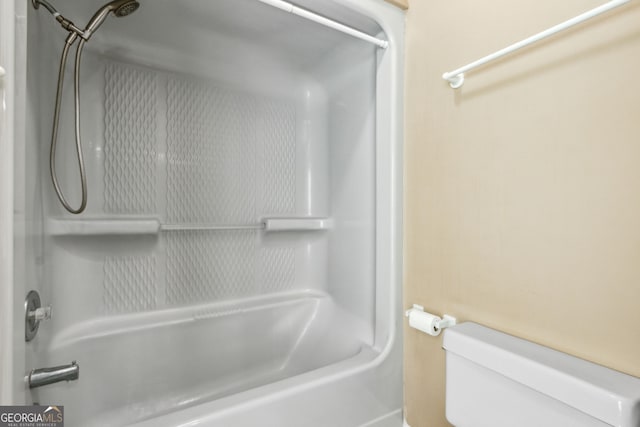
(40, 313)
(34, 313)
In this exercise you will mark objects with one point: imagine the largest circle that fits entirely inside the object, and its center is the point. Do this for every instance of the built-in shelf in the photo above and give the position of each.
(142, 226)
(297, 224)
(102, 226)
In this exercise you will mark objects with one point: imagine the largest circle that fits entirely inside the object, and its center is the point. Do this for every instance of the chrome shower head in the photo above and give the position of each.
(126, 8)
(119, 8)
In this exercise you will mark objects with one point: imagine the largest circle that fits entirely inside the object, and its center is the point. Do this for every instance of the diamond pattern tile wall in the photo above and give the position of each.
(277, 269)
(211, 154)
(130, 284)
(130, 140)
(231, 159)
(212, 265)
(276, 127)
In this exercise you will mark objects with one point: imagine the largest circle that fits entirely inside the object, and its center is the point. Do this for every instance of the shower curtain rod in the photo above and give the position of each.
(456, 77)
(288, 7)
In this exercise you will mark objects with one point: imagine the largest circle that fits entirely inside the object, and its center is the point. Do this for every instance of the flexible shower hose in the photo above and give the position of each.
(119, 8)
(56, 120)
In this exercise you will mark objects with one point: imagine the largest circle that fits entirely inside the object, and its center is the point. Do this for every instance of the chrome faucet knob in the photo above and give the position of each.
(41, 313)
(34, 313)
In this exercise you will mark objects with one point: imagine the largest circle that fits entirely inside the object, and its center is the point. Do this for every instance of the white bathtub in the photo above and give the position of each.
(163, 361)
(239, 259)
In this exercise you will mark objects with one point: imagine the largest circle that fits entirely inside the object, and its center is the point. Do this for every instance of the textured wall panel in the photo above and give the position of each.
(211, 265)
(231, 159)
(276, 130)
(277, 269)
(130, 284)
(211, 154)
(130, 140)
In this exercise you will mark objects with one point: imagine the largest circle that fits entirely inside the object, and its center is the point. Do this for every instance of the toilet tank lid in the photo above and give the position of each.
(605, 394)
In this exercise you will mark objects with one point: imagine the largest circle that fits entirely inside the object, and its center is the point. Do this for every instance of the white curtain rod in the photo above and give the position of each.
(288, 7)
(456, 77)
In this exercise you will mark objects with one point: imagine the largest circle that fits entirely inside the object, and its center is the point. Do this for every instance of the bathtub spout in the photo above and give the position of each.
(44, 376)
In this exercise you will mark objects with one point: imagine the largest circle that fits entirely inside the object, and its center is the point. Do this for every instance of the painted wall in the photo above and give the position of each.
(402, 4)
(522, 203)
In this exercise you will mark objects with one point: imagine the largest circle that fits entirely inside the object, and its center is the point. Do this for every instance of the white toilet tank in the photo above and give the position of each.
(497, 380)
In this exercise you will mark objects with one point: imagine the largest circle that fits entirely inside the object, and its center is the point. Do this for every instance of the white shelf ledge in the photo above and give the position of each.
(145, 226)
(297, 224)
(98, 227)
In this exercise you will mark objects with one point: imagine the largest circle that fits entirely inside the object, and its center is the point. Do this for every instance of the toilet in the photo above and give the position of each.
(497, 380)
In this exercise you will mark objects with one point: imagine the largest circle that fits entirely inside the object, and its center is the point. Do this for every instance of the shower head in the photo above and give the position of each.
(127, 8)
(119, 8)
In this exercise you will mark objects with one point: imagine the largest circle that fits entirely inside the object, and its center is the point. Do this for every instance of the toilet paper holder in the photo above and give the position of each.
(427, 322)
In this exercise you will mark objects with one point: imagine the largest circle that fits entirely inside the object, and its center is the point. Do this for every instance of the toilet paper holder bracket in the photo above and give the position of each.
(427, 322)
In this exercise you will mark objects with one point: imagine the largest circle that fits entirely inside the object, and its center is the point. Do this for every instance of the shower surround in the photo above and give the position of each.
(238, 262)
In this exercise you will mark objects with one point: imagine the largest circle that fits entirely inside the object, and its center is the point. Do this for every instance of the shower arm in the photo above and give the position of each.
(64, 22)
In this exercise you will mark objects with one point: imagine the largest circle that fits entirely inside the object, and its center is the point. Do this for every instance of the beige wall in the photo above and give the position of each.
(522, 195)
(402, 4)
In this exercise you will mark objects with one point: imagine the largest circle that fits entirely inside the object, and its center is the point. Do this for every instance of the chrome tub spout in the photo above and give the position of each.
(44, 376)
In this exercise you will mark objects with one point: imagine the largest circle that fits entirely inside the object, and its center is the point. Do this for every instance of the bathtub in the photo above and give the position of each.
(163, 361)
(238, 262)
